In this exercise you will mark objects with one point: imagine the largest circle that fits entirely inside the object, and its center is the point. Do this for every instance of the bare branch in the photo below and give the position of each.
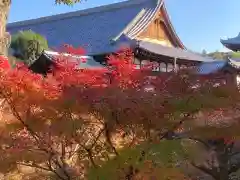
(97, 137)
(211, 172)
(206, 145)
(34, 166)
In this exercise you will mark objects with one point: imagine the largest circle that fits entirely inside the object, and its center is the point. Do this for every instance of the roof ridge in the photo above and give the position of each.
(98, 9)
(131, 24)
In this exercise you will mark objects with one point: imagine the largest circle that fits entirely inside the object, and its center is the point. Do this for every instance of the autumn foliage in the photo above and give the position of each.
(100, 124)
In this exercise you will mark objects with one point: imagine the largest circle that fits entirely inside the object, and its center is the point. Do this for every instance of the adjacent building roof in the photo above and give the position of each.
(97, 29)
(232, 43)
(235, 63)
(211, 67)
(217, 65)
(235, 40)
(172, 52)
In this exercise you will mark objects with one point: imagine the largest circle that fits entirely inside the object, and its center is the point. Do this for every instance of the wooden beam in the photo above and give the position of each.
(175, 64)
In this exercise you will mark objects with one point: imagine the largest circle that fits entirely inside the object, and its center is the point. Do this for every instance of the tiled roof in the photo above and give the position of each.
(235, 40)
(211, 67)
(95, 29)
(172, 52)
(235, 63)
(217, 65)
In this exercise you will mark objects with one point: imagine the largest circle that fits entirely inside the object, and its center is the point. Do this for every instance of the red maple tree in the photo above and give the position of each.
(77, 120)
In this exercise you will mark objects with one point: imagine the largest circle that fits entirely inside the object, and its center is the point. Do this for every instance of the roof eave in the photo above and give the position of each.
(231, 46)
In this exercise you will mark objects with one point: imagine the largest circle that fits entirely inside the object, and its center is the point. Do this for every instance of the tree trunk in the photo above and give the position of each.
(4, 36)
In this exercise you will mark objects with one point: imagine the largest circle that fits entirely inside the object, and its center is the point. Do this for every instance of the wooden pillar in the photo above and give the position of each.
(175, 64)
(237, 80)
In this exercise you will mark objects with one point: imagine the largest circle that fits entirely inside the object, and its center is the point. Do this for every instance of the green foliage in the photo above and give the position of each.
(28, 44)
(218, 55)
(235, 55)
(67, 2)
(204, 52)
(163, 154)
(224, 55)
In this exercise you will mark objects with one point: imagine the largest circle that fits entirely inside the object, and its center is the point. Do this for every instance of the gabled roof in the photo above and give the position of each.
(97, 29)
(232, 43)
(235, 40)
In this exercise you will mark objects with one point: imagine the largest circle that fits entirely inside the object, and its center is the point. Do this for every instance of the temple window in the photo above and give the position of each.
(156, 66)
(170, 67)
(136, 61)
(144, 62)
(163, 67)
(183, 67)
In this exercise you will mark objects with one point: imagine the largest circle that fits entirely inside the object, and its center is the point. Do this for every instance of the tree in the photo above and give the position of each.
(103, 124)
(219, 55)
(235, 55)
(28, 45)
(4, 38)
(204, 52)
(4, 10)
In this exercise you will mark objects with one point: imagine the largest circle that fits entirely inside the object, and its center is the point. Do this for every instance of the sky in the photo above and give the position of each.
(199, 23)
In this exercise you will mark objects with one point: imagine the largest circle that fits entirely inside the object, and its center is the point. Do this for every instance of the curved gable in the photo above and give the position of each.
(161, 30)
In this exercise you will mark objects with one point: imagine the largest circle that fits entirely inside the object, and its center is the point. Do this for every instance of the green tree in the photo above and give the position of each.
(4, 11)
(218, 55)
(204, 52)
(28, 45)
(235, 55)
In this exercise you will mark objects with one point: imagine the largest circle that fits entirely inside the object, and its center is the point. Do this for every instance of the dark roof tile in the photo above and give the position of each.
(93, 29)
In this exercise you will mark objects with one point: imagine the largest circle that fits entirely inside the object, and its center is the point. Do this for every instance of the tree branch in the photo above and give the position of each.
(97, 137)
(49, 164)
(34, 166)
(206, 145)
(210, 172)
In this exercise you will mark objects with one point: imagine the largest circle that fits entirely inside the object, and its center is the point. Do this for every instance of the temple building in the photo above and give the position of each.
(143, 25)
(232, 43)
(229, 68)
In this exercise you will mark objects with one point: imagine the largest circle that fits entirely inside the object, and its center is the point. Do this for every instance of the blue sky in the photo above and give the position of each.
(199, 23)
